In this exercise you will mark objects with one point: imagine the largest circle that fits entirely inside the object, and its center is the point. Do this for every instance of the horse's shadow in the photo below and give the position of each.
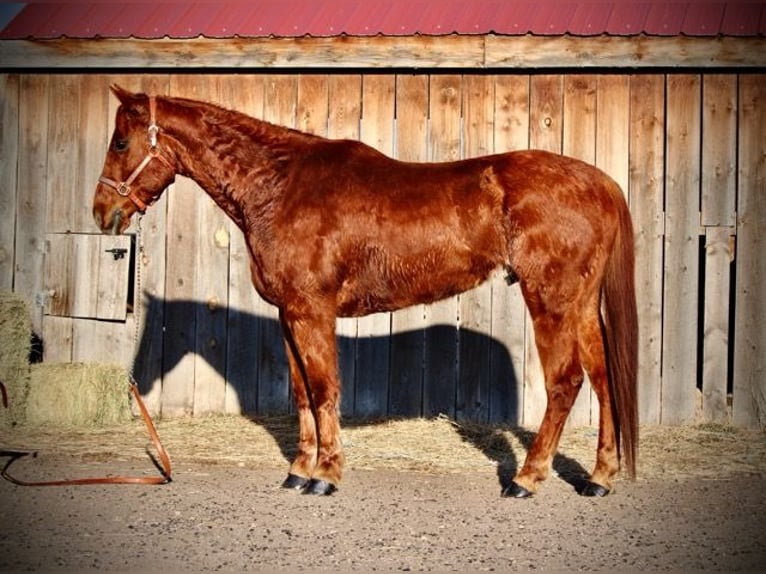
(250, 356)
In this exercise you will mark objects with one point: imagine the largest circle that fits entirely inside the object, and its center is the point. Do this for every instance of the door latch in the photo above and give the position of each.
(117, 252)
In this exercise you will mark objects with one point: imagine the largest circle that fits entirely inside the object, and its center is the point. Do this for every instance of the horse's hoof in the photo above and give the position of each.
(593, 489)
(295, 482)
(319, 487)
(514, 490)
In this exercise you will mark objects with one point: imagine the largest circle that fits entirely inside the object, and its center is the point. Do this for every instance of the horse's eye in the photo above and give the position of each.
(120, 145)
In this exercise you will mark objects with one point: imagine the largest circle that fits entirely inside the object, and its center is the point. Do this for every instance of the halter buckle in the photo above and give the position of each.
(123, 189)
(153, 131)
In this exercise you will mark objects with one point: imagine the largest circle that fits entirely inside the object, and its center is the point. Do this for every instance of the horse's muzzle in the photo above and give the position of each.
(114, 225)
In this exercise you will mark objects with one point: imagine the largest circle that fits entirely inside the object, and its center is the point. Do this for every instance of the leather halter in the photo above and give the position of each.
(123, 187)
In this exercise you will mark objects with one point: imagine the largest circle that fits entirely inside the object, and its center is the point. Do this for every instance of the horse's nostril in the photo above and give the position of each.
(98, 220)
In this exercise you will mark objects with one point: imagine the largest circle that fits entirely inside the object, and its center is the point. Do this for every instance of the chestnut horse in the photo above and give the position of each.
(336, 229)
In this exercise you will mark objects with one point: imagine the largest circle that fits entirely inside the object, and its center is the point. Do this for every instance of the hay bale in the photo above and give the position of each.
(78, 394)
(15, 342)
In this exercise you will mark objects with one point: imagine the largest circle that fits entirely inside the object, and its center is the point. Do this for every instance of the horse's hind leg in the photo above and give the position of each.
(556, 341)
(314, 371)
(591, 344)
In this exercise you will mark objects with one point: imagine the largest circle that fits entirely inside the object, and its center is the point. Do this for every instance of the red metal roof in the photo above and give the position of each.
(295, 18)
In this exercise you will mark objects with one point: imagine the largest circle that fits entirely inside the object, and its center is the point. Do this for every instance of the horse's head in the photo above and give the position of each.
(137, 168)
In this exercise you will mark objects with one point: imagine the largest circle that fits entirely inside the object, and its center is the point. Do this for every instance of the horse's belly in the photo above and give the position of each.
(399, 286)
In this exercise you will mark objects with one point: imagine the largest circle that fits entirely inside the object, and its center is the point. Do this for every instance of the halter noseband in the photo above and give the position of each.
(123, 187)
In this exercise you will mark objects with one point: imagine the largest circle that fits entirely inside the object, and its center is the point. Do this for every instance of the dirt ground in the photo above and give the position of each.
(417, 495)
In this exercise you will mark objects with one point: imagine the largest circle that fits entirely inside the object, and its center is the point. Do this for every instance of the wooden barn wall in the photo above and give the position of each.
(688, 149)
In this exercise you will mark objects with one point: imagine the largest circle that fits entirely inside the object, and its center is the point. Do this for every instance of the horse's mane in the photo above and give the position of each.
(226, 119)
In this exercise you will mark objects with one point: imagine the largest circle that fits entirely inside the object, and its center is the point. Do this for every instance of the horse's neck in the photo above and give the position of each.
(239, 161)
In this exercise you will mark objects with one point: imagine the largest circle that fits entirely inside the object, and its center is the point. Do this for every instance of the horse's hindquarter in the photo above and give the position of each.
(374, 234)
(562, 214)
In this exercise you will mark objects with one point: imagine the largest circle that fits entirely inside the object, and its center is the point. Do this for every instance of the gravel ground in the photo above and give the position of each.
(236, 517)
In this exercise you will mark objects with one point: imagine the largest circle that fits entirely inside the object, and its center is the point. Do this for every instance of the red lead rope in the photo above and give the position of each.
(164, 461)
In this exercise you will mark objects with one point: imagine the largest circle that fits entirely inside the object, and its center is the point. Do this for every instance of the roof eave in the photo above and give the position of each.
(481, 51)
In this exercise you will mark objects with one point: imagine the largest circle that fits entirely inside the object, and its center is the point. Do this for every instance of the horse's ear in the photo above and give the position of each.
(121, 94)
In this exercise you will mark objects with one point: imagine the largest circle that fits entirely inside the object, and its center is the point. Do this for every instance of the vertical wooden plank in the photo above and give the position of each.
(58, 275)
(244, 93)
(9, 155)
(682, 189)
(31, 192)
(546, 113)
(613, 127)
(113, 276)
(647, 118)
(280, 100)
(57, 334)
(57, 323)
(440, 375)
(719, 149)
(579, 122)
(92, 140)
(345, 110)
(313, 100)
(475, 306)
(612, 141)
(345, 93)
(378, 108)
(411, 117)
(407, 325)
(718, 214)
(445, 125)
(715, 361)
(374, 331)
(749, 376)
(545, 132)
(63, 135)
(508, 310)
(181, 315)
(83, 275)
(579, 141)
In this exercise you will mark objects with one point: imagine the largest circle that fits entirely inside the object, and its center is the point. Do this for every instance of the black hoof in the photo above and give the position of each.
(319, 487)
(593, 489)
(295, 482)
(514, 490)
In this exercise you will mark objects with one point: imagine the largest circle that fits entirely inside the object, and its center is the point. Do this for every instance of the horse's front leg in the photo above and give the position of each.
(305, 460)
(312, 349)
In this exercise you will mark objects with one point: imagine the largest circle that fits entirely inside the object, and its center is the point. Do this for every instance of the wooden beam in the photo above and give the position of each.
(624, 52)
(455, 51)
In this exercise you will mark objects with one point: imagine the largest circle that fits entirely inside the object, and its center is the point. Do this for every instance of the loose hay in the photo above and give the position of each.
(15, 343)
(78, 394)
(416, 445)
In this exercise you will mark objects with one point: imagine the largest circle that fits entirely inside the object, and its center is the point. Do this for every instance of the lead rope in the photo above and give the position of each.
(137, 306)
(164, 460)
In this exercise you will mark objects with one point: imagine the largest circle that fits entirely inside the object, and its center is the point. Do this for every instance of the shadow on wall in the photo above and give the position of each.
(463, 374)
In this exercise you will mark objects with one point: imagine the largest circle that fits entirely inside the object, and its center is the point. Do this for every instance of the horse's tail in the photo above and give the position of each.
(621, 336)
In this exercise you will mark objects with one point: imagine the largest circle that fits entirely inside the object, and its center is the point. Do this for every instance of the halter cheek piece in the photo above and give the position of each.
(123, 187)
